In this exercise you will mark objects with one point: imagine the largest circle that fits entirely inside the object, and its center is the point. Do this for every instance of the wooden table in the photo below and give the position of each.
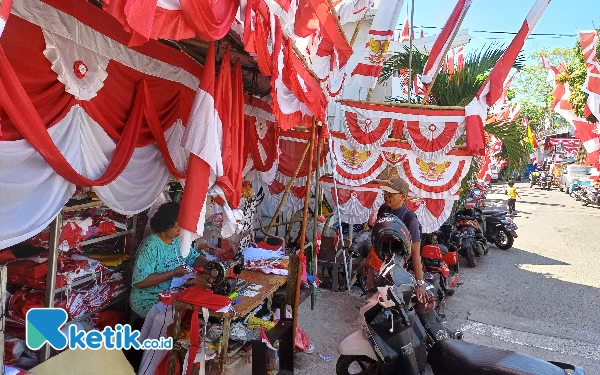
(270, 284)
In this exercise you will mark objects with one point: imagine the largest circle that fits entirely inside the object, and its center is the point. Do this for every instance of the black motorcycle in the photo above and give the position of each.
(590, 196)
(463, 239)
(500, 228)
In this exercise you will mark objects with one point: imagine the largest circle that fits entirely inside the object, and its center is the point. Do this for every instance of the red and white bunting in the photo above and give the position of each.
(492, 88)
(355, 202)
(430, 133)
(369, 67)
(443, 40)
(589, 41)
(432, 213)
(405, 33)
(5, 8)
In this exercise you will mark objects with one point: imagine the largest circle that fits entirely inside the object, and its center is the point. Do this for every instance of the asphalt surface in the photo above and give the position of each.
(540, 298)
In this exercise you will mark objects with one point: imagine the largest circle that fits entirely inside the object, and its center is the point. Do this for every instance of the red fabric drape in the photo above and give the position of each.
(291, 151)
(26, 119)
(269, 144)
(255, 41)
(211, 20)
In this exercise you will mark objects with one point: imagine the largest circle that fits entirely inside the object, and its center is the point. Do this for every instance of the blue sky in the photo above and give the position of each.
(561, 17)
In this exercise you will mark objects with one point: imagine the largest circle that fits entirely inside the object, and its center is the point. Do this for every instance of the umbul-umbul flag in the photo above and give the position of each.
(589, 41)
(443, 40)
(405, 34)
(202, 138)
(491, 90)
(4, 13)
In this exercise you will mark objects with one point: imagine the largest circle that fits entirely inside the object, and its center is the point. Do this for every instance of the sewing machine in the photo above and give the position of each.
(223, 277)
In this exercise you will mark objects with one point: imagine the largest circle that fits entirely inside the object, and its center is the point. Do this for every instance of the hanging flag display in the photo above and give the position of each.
(491, 90)
(369, 67)
(262, 134)
(405, 33)
(438, 179)
(589, 41)
(432, 213)
(4, 13)
(431, 133)
(443, 41)
(352, 10)
(294, 201)
(355, 202)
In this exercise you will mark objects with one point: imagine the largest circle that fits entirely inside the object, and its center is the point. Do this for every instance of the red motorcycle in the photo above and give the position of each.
(437, 261)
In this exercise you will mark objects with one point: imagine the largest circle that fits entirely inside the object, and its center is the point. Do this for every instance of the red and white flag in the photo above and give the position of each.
(422, 34)
(202, 138)
(5, 8)
(369, 67)
(405, 34)
(460, 59)
(589, 41)
(491, 90)
(450, 62)
(351, 10)
(443, 41)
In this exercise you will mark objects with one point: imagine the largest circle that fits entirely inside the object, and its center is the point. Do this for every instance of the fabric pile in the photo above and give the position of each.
(265, 261)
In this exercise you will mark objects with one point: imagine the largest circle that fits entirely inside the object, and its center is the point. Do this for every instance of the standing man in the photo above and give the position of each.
(395, 194)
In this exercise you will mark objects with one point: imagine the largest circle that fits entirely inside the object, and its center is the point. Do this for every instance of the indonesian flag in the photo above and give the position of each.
(589, 41)
(202, 138)
(492, 88)
(495, 146)
(450, 62)
(422, 34)
(436, 57)
(460, 57)
(5, 8)
(405, 34)
(369, 67)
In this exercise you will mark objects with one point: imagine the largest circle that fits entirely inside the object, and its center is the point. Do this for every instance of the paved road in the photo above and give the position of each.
(541, 298)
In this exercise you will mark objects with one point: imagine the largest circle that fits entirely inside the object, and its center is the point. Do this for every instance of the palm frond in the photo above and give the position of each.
(514, 150)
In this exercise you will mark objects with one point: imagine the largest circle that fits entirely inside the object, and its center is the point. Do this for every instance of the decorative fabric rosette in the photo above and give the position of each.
(355, 202)
(432, 213)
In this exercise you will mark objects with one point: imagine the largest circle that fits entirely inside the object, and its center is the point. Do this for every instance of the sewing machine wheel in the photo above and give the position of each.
(214, 273)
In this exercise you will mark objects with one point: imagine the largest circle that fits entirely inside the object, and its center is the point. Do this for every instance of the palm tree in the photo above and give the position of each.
(459, 89)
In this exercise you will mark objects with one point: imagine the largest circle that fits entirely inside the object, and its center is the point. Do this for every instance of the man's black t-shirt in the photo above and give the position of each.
(408, 217)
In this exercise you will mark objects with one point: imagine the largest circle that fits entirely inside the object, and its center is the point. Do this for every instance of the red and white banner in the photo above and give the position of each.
(355, 202)
(562, 148)
(491, 90)
(589, 42)
(262, 134)
(294, 200)
(5, 8)
(443, 41)
(352, 10)
(432, 213)
(369, 67)
(438, 179)
(431, 133)
(405, 33)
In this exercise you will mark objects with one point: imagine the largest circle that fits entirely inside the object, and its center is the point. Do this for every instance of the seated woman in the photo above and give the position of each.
(159, 260)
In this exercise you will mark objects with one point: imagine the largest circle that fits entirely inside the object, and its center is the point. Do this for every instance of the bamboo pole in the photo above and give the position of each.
(357, 29)
(410, 51)
(317, 202)
(287, 191)
(437, 72)
(303, 227)
(406, 105)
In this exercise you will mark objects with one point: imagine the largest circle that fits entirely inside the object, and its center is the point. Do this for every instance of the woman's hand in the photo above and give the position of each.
(179, 271)
(421, 293)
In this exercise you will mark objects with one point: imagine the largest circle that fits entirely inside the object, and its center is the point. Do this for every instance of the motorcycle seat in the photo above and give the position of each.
(493, 212)
(455, 357)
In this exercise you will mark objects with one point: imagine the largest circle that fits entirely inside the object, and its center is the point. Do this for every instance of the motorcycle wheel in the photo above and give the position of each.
(356, 365)
(506, 240)
(470, 252)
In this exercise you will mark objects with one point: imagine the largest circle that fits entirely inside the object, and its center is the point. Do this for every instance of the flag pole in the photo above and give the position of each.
(357, 29)
(302, 234)
(430, 86)
(410, 52)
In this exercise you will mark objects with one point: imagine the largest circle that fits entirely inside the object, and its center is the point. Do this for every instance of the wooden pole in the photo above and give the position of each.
(287, 190)
(317, 202)
(357, 29)
(337, 19)
(437, 72)
(410, 50)
(405, 105)
(303, 227)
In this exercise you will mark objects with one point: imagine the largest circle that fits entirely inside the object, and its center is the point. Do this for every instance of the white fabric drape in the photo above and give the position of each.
(33, 193)
(353, 211)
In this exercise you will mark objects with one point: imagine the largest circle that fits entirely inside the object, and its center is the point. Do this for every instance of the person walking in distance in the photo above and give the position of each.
(512, 194)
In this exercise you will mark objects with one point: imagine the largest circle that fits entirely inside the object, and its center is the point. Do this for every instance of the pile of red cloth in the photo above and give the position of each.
(81, 301)
(107, 318)
(32, 272)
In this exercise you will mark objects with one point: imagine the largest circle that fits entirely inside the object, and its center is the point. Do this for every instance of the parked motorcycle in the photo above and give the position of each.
(468, 238)
(396, 330)
(578, 192)
(500, 228)
(545, 180)
(590, 196)
(436, 260)
(359, 250)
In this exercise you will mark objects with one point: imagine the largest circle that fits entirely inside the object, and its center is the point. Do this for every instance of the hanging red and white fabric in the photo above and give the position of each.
(262, 134)
(405, 33)
(431, 133)
(291, 146)
(5, 8)
(366, 73)
(438, 179)
(294, 200)
(432, 213)
(351, 10)
(460, 59)
(355, 202)
(491, 90)
(436, 56)
(591, 86)
(355, 167)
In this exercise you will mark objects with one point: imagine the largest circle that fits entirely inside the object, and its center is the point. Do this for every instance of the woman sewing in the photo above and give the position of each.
(159, 260)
